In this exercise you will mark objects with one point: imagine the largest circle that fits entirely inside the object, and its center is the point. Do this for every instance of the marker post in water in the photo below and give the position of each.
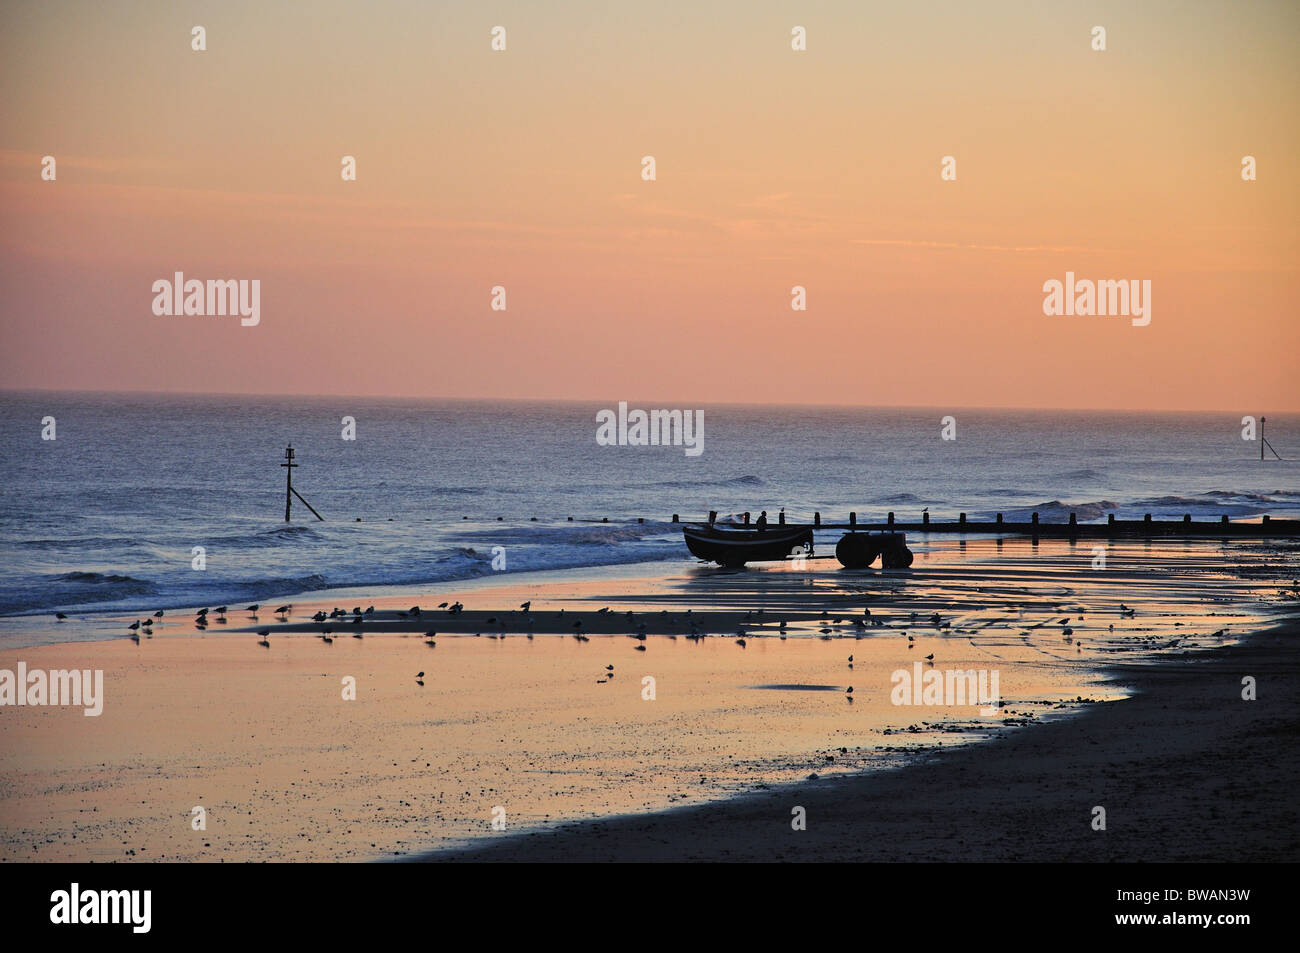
(289, 491)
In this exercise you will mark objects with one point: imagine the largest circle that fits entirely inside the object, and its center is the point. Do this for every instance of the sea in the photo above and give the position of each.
(144, 501)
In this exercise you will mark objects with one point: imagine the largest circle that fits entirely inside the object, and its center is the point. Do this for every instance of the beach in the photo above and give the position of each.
(531, 733)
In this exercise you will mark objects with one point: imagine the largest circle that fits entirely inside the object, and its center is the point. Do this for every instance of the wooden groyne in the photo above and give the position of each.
(1266, 528)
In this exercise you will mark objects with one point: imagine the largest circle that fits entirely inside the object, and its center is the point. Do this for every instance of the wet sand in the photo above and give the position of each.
(1186, 770)
(519, 712)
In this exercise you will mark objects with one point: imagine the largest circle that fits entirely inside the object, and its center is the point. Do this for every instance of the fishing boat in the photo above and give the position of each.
(733, 546)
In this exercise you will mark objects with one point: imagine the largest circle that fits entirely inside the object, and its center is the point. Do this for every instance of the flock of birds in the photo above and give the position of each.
(357, 617)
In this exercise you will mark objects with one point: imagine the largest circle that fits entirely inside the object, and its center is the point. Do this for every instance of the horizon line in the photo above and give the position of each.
(591, 400)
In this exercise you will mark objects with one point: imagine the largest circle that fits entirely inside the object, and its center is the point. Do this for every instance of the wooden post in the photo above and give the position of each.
(1034, 519)
(999, 519)
(289, 491)
(891, 518)
(780, 518)
(853, 521)
(962, 520)
(925, 519)
(817, 519)
(288, 479)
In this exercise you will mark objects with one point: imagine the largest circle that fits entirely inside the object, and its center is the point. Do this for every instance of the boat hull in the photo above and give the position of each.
(736, 547)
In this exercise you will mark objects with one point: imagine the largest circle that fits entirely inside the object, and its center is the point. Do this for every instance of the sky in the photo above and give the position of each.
(775, 168)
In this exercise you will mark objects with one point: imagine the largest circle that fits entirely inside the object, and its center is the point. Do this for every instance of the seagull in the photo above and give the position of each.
(60, 616)
(370, 611)
(740, 642)
(526, 605)
(849, 690)
(158, 614)
(419, 675)
(442, 605)
(930, 657)
(134, 625)
(254, 607)
(283, 610)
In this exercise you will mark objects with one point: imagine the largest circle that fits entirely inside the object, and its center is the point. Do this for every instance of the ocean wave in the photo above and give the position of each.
(895, 498)
(1242, 496)
(293, 533)
(747, 479)
(73, 588)
(577, 534)
(1054, 511)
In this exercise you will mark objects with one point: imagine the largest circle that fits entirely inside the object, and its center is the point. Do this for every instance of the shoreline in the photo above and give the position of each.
(1186, 770)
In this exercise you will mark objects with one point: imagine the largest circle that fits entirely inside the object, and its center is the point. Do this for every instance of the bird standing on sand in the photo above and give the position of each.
(134, 625)
(526, 605)
(930, 657)
(60, 616)
(158, 614)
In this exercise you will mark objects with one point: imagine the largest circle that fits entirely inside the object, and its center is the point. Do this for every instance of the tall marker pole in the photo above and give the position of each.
(288, 479)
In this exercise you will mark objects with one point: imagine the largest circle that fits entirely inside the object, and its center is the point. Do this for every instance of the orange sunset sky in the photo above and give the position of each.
(775, 168)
